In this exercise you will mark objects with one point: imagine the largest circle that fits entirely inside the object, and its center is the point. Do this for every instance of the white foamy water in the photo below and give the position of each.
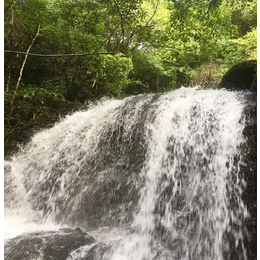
(16, 225)
(164, 169)
(193, 140)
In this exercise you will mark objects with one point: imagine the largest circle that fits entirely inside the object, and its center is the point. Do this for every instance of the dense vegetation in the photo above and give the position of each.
(59, 53)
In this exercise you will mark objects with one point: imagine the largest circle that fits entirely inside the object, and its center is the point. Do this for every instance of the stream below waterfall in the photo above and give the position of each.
(149, 177)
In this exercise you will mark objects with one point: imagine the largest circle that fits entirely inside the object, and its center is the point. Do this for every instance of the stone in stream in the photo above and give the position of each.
(47, 245)
(242, 76)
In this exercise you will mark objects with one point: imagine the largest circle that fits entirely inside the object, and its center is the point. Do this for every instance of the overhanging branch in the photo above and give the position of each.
(60, 55)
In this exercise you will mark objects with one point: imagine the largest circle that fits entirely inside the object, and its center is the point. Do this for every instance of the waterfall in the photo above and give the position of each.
(153, 176)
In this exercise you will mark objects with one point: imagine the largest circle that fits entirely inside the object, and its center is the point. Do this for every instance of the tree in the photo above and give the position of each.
(199, 31)
(87, 49)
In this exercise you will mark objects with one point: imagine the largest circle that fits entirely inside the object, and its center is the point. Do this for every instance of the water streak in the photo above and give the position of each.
(165, 168)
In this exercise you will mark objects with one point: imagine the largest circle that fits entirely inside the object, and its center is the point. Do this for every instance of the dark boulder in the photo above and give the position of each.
(47, 245)
(242, 76)
(97, 252)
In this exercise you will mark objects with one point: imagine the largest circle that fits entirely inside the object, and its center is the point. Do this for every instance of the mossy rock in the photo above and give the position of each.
(47, 245)
(242, 76)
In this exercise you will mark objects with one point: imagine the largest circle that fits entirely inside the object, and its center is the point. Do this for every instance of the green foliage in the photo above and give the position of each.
(200, 32)
(149, 74)
(114, 73)
(244, 16)
(196, 33)
(238, 50)
(166, 40)
(133, 46)
(40, 94)
(32, 108)
(207, 75)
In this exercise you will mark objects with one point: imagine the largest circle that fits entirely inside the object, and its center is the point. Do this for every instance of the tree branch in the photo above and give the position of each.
(60, 55)
(6, 9)
(22, 68)
(110, 35)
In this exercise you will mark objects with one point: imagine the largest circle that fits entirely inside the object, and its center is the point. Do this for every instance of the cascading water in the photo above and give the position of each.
(151, 177)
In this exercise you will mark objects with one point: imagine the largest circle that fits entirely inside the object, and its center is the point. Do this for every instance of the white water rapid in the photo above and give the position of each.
(153, 177)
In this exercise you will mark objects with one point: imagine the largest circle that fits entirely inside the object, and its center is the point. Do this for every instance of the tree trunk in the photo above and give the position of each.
(22, 68)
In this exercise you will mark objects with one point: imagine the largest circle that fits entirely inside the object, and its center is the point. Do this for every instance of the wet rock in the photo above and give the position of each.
(249, 170)
(241, 77)
(97, 252)
(47, 245)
